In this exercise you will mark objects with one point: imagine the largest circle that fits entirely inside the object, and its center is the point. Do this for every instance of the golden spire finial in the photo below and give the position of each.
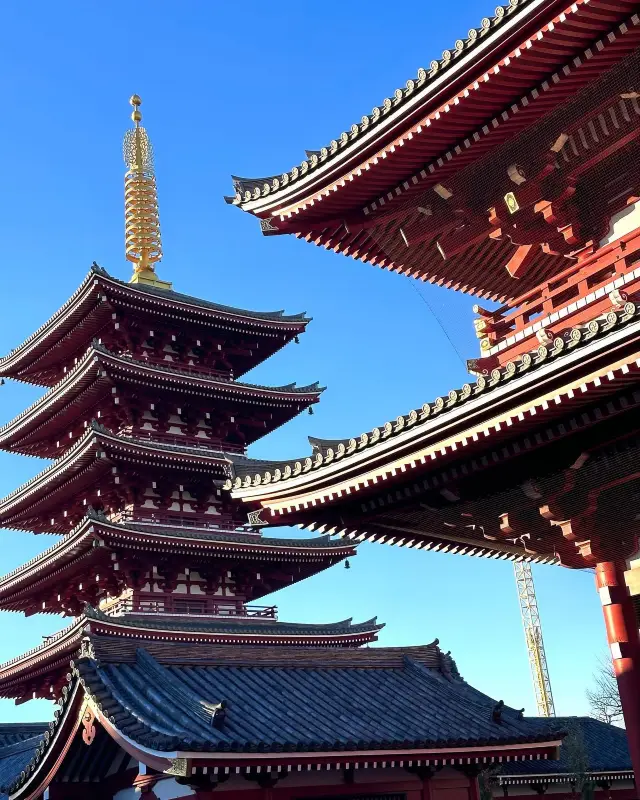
(143, 244)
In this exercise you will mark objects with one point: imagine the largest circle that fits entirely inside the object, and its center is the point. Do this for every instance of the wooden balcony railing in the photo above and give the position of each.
(181, 607)
(185, 440)
(144, 516)
(579, 294)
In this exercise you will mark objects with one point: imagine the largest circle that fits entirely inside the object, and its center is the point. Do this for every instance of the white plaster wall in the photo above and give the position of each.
(623, 222)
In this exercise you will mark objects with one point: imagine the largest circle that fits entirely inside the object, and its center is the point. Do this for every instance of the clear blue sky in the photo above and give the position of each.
(244, 88)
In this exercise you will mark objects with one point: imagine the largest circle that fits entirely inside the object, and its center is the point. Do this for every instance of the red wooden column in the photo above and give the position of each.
(624, 642)
(474, 788)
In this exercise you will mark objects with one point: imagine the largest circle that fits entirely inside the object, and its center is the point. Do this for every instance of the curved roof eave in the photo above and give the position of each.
(261, 480)
(260, 195)
(268, 319)
(308, 394)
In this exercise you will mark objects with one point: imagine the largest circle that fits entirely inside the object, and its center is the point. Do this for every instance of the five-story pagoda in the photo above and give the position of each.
(144, 418)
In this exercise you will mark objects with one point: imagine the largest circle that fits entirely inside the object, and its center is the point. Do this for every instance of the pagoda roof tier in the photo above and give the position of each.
(386, 190)
(402, 482)
(228, 715)
(90, 549)
(190, 637)
(80, 468)
(80, 320)
(93, 379)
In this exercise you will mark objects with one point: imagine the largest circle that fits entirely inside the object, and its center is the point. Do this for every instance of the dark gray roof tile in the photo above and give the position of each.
(15, 757)
(605, 746)
(170, 294)
(302, 708)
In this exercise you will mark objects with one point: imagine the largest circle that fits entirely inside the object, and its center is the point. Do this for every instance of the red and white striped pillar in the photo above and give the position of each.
(624, 643)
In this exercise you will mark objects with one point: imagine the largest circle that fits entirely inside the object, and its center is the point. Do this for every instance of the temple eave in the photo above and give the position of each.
(397, 234)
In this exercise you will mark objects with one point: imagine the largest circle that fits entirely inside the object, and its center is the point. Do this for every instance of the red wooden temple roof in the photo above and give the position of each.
(95, 375)
(80, 319)
(585, 378)
(89, 548)
(395, 166)
(79, 469)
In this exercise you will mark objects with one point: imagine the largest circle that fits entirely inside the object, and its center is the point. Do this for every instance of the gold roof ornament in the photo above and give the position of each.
(143, 243)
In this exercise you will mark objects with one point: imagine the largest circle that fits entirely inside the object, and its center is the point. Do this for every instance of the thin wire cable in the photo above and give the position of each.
(442, 328)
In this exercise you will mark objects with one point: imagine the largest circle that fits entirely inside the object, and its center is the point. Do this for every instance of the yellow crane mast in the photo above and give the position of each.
(533, 639)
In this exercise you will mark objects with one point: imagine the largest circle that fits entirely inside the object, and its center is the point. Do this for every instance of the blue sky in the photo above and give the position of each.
(244, 88)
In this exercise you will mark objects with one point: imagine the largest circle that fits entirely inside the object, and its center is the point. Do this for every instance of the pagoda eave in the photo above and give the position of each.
(70, 568)
(92, 456)
(93, 306)
(102, 376)
(42, 671)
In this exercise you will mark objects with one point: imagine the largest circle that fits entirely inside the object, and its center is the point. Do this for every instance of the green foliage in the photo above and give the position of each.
(488, 780)
(578, 762)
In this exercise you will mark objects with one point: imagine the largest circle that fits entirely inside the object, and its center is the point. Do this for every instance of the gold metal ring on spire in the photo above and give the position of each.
(143, 242)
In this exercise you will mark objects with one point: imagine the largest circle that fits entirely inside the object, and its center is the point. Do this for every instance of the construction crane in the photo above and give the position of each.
(533, 639)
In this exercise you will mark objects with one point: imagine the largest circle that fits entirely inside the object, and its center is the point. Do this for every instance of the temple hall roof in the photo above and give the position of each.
(510, 23)
(442, 476)
(605, 747)
(394, 187)
(490, 28)
(333, 707)
(15, 732)
(275, 707)
(459, 403)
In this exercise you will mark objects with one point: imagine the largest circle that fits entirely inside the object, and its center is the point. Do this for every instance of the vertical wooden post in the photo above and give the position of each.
(426, 776)
(427, 793)
(624, 643)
